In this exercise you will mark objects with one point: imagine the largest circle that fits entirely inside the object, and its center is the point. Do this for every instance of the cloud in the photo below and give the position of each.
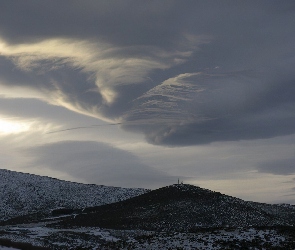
(181, 74)
(278, 167)
(200, 108)
(97, 163)
(84, 76)
(113, 21)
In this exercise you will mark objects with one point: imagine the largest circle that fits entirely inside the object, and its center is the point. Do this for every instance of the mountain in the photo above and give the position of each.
(183, 208)
(179, 216)
(22, 193)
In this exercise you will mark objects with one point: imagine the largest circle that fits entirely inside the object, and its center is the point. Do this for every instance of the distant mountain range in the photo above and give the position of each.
(22, 193)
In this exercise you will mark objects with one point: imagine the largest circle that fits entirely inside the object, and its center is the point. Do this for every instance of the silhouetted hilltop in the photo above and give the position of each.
(183, 207)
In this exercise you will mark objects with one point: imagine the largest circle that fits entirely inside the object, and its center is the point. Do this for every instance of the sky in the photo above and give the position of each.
(140, 93)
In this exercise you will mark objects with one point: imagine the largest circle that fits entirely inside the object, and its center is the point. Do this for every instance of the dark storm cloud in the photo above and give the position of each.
(181, 73)
(278, 167)
(202, 108)
(97, 163)
(118, 22)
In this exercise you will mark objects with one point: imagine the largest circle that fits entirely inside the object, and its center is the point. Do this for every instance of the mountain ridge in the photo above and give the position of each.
(183, 207)
(23, 193)
(179, 216)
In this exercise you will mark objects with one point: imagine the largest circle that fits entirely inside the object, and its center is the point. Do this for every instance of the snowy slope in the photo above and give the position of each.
(22, 193)
(98, 238)
(173, 217)
(8, 248)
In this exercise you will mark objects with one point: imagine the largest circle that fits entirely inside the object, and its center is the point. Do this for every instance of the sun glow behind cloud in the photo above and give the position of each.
(13, 127)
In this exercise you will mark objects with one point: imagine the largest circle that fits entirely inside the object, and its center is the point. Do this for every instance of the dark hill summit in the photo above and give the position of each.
(183, 207)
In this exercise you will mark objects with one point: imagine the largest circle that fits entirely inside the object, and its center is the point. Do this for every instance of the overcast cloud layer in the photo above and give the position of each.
(179, 74)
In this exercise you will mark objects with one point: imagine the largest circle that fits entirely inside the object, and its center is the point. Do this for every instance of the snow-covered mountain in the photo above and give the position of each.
(22, 193)
(174, 217)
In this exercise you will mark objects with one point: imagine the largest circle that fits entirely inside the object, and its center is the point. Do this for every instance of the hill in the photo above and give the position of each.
(22, 193)
(183, 208)
(173, 217)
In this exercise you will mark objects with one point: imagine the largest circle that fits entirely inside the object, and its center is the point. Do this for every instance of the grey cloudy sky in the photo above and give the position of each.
(201, 90)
